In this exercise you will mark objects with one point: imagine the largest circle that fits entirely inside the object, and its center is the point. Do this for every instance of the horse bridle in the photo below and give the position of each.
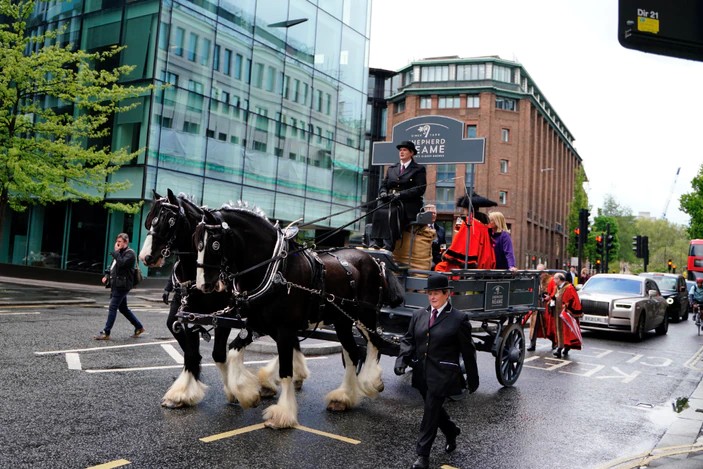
(280, 253)
(173, 222)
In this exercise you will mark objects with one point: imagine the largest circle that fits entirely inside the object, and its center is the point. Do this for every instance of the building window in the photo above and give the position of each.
(507, 104)
(425, 102)
(258, 75)
(504, 166)
(270, 78)
(435, 73)
(180, 37)
(504, 74)
(191, 127)
(205, 57)
(216, 58)
(227, 62)
(471, 72)
(473, 101)
(192, 46)
(503, 197)
(408, 77)
(448, 102)
(505, 135)
(471, 131)
(400, 106)
(238, 59)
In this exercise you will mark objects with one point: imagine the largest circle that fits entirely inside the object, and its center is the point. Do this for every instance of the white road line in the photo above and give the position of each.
(74, 361)
(7, 313)
(175, 354)
(109, 347)
(167, 367)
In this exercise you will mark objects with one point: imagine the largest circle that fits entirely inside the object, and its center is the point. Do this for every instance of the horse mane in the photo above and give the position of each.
(244, 206)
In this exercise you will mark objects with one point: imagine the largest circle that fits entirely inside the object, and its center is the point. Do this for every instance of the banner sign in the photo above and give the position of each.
(438, 139)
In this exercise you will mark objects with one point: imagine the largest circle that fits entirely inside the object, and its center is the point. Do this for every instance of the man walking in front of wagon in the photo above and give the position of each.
(436, 339)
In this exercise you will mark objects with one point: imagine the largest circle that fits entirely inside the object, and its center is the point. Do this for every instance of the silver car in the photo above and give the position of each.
(623, 303)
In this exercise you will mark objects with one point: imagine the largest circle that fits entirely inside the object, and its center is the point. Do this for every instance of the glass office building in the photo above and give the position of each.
(265, 101)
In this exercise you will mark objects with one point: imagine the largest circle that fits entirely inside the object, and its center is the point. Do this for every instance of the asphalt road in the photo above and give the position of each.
(69, 401)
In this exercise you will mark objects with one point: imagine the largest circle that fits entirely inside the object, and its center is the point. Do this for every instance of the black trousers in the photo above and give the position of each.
(433, 418)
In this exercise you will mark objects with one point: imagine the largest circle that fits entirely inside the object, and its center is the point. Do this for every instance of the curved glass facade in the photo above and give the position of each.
(256, 105)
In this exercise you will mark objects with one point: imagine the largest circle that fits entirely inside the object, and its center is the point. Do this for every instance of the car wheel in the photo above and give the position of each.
(663, 328)
(641, 330)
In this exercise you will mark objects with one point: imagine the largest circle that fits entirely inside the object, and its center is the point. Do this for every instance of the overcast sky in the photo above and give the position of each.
(635, 117)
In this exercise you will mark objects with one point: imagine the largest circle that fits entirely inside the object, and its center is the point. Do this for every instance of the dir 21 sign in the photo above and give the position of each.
(438, 139)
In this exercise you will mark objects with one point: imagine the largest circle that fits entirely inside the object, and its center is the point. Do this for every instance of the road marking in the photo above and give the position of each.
(109, 347)
(239, 431)
(166, 367)
(74, 361)
(446, 466)
(259, 426)
(7, 313)
(691, 363)
(175, 354)
(328, 435)
(108, 465)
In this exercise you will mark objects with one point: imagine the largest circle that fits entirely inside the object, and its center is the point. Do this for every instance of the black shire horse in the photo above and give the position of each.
(171, 223)
(282, 290)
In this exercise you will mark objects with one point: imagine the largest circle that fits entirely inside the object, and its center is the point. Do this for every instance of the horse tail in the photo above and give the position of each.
(393, 292)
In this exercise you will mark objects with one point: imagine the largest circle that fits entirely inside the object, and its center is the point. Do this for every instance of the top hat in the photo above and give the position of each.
(407, 144)
(438, 282)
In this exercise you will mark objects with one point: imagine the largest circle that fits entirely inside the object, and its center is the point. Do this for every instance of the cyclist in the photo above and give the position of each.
(695, 297)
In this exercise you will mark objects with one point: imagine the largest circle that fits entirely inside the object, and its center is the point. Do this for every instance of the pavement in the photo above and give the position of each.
(681, 446)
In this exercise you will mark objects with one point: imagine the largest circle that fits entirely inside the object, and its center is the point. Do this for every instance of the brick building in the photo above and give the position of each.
(531, 163)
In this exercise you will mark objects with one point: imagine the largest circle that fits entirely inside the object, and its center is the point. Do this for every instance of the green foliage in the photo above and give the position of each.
(692, 204)
(56, 109)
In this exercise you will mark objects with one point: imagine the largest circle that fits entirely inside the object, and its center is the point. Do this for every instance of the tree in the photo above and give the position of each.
(579, 201)
(692, 204)
(56, 110)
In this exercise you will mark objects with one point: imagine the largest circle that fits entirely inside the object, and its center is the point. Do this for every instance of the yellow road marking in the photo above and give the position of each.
(446, 466)
(691, 363)
(108, 465)
(259, 426)
(328, 435)
(239, 431)
(643, 459)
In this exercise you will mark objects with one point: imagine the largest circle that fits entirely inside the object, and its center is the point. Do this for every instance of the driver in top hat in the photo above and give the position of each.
(437, 337)
(402, 189)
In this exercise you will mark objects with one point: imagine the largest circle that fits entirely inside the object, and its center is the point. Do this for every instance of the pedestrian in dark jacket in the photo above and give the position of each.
(436, 339)
(120, 279)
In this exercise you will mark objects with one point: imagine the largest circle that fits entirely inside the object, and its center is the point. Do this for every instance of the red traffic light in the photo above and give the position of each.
(599, 239)
(577, 231)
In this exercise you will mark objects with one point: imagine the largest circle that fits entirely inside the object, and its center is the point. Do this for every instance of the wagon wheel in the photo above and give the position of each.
(510, 355)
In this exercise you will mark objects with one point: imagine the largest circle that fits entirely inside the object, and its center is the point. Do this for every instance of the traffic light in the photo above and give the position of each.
(583, 225)
(645, 249)
(599, 244)
(577, 236)
(609, 243)
(637, 245)
(669, 265)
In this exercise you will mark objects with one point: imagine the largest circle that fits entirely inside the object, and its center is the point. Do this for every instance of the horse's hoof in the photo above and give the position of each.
(298, 385)
(267, 393)
(336, 406)
(169, 404)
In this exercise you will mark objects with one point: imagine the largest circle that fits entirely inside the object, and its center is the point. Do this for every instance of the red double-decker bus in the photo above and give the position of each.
(695, 259)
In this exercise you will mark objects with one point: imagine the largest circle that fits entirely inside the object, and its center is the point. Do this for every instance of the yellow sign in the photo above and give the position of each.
(648, 25)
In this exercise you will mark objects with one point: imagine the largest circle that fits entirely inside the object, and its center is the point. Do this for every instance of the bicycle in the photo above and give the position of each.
(697, 316)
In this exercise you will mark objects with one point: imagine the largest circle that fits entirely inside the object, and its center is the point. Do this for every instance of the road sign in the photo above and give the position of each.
(438, 139)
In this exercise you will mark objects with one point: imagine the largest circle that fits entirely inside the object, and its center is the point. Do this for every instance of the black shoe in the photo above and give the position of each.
(557, 353)
(451, 441)
(531, 348)
(422, 462)
(565, 352)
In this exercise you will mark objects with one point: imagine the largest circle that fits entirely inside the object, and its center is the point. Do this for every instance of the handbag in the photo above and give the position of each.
(138, 277)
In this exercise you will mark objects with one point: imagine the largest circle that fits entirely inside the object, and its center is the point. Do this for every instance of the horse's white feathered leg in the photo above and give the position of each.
(241, 383)
(301, 372)
(186, 391)
(347, 395)
(268, 378)
(283, 414)
(370, 376)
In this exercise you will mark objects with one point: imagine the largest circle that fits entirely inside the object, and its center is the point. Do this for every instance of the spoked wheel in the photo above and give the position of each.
(510, 355)
(697, 317)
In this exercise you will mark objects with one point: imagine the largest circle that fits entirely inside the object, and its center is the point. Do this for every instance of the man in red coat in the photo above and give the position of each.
(567, 311)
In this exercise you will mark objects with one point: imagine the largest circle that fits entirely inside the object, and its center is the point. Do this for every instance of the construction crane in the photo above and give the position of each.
(671, 193)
